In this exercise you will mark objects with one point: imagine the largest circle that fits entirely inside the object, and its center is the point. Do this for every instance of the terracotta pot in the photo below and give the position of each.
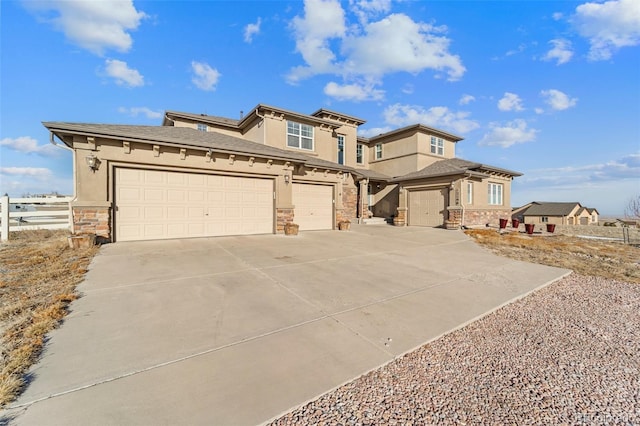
(529, 227)
(551, 227)
(344, 226)
(515, 223)
(503, 223)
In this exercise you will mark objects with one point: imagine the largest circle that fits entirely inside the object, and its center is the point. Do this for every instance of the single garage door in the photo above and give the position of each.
(313, 206)
(427, 207)
(153, 205)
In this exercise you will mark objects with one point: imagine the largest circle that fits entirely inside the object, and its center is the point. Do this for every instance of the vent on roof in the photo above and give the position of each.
(241, 114)
(203, 115)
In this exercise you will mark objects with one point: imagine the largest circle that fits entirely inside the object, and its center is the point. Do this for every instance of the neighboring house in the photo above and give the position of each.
(201, 175)
(572, 213)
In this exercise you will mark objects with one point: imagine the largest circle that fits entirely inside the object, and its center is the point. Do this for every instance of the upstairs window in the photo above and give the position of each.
(340, 149)
(299, 135)
(202, 127)
(378, 151)
(495, 194)
(437, 146)
(359, 154)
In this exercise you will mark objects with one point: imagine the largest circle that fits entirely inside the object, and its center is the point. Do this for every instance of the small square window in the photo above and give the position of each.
(437, 146)
(202, 127)
(299, 135)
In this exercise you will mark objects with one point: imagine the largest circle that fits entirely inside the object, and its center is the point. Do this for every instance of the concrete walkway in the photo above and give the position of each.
(237, 330)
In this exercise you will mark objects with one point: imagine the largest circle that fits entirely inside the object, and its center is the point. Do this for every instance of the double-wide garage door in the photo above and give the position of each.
(154, 204)
(313, 206)
(427, 207)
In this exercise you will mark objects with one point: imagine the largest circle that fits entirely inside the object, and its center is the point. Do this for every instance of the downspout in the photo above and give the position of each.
(462, 181)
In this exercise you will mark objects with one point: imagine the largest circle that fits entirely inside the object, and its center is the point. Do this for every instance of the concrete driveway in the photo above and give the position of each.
(237, 330)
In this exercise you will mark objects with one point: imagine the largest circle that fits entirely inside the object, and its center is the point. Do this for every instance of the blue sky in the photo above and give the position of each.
(547, 88)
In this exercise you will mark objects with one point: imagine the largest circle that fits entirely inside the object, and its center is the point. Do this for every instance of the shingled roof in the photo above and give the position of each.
(543, 208)
(452, 167)
(184, 136)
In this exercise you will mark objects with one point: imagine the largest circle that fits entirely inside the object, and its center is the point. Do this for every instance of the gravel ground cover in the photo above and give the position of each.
(567, 354)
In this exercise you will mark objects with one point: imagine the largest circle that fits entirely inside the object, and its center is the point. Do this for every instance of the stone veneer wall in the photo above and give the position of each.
(482, 217)
(349, 209)
(283, 216)
(92, 220)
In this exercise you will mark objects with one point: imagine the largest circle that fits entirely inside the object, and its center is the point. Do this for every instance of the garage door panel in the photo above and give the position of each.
(313, 206)
(154, 204)
(427, 207)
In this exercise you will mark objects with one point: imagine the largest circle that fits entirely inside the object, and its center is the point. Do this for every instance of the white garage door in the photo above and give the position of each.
(427, 207)
(153, 205)
(313, 206)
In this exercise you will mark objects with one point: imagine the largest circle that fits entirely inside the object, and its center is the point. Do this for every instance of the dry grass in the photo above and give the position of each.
(39, 274)
(584, 256)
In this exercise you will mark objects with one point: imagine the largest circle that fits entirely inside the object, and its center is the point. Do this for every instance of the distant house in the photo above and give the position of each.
(570, 213)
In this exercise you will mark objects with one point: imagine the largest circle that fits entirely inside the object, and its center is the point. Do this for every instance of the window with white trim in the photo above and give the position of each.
(340, 149)
(299, 135)
(202, 127)
(378, 151)
(495, 194)
(469, 192)
(359, 154)
(545, 219)
(437, 146)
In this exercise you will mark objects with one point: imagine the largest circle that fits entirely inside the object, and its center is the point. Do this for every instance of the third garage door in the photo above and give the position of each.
(427, 207)
(155, 204)
(313, 206)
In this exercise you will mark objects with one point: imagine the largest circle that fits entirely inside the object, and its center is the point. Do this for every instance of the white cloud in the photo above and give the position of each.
(135, 111)
(322, 21)
(205, 77)
(375, 131)
(367, 51)
(561, 52)
(353, 92)
(608, 26)
(557, 16)
(28, 145)
(39, 172)
(466, 99)
(252, 29)
(439, 117)
(399, 44)
(92, 25)
(124, 76)
(510, 102)
(558, 100)
(367, 9)
(513, 132)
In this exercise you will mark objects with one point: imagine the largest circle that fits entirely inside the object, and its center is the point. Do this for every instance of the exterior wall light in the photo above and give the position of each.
(287, 178)
(92, 162)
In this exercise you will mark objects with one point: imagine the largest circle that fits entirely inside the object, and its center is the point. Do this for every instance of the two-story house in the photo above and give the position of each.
(200, 175)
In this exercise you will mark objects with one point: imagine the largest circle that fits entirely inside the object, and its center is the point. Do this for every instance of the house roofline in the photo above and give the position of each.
(415, 128)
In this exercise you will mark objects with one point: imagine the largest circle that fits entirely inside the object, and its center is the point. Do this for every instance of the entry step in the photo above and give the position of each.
(375, 221)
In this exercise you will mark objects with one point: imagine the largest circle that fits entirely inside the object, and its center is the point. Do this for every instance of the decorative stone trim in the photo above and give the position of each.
(283, 216)
(92, 220)
(349, 208)
(484, 217)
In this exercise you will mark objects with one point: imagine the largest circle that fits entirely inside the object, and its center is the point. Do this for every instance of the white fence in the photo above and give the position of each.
(22, 214)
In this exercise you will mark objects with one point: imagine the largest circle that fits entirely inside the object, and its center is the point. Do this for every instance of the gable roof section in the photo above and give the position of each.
(340, 116)
(200, 118)
(414, 128)
(539, 208)
(186, 137)
(452, 167)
